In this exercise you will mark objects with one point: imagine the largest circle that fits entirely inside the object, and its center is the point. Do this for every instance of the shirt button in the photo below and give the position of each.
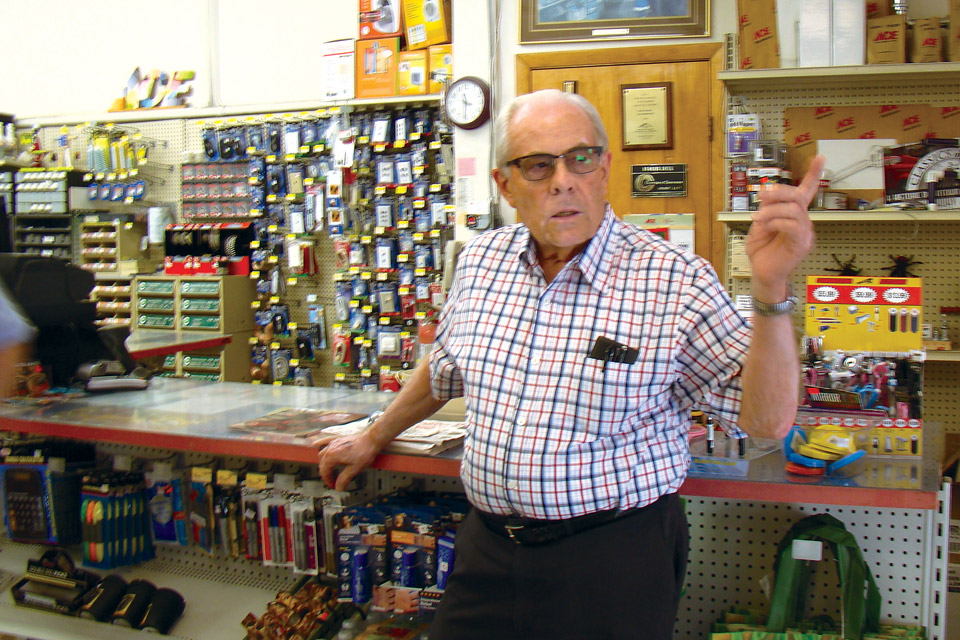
(512, 484)
(535, 361)
(522, 421)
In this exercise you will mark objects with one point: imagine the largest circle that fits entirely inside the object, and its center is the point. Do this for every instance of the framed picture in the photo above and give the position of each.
(582, 20)
(646, 111)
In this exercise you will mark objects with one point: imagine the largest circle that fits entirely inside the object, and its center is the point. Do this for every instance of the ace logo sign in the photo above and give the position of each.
(886, 43)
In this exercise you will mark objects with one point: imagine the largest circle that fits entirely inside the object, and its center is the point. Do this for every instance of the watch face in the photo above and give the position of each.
(465, 102)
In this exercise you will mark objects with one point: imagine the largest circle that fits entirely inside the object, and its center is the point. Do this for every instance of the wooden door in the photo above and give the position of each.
(696, 105)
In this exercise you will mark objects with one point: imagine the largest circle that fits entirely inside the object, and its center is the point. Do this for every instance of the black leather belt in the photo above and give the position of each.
(528, 531)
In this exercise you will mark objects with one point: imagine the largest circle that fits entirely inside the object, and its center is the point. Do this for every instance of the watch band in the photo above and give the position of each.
(770, 309)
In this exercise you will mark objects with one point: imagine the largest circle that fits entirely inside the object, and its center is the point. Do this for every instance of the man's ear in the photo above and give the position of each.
(501, 177)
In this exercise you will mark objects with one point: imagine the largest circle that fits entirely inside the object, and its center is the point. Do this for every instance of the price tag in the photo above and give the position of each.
(252, 341)
(304, 149)
(419, 204)
(87, 177)
(363, 140)
(403, 224)
(271, 158)
(379, 190)
(379, 148)
(384, 369)
(255, 213)
(294, 362)
(292, 326)
(368, 309)
(366, 275)
(278, 383)
(403, 291)
(201, 474)
(354, 304)
(340, 377)
(358, 341)
(274, 346)
(420, 315)
(420, 272)
(435, 144)
(403, 257)
(227, 478)
(272, 228)
(366, 239)
(272, 198)
(399, 144)
(308, 182)
(385, 320)
(414, 136)
(365, 373)
(254, 275)
(274, 299)
(291, 197)
(292, 281)
(417, 237)
(379, 231)
(318, 148)
(290, 157)
(435, 233)
(382, 277)
(435, 188)
(251, 151)
(402, 189)
(256, 481)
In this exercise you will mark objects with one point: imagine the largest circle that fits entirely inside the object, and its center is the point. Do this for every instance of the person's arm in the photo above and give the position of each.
(10, 357)
(414, 403)
(780, 237)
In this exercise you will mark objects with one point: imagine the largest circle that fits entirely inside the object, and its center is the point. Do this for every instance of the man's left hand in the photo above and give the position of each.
(782, 234)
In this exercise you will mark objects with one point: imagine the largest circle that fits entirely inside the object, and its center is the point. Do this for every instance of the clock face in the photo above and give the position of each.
(467, 103)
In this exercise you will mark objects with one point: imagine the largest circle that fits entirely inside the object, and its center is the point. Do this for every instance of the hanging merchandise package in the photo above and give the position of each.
(759, 47)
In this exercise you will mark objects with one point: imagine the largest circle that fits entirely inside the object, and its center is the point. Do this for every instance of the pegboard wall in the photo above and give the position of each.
(933, 245)
(171, 143)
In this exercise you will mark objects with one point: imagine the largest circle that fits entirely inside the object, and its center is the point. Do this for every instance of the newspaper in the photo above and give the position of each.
(428, 437)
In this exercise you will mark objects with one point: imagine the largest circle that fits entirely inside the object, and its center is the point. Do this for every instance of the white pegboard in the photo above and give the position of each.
(733, 548)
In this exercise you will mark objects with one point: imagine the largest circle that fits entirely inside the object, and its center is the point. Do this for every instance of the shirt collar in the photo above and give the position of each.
(594, 262)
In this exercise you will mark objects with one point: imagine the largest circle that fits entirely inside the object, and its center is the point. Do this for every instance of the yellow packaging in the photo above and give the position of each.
(887, 40)
(441, 66)
(426, 22)
(412, 73)
(377, 67)
(926, 44)
(865, 314)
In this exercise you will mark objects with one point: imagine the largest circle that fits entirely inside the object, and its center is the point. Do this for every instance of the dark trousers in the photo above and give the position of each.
(618, 581)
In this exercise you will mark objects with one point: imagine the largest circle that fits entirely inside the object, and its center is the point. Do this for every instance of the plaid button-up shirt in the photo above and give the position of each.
(553, 433)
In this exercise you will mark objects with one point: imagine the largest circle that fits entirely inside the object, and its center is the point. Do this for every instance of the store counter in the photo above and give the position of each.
(183, 414)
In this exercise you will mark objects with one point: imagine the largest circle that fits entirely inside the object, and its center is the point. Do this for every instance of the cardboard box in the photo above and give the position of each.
(426, 22)
(412, 73)
(759, 46)
(376, 62)
(441, 66)
(925, 43)
(379, 19)
(338, 69)
(953, 32)
(879, 8)
(887, 40)
(803, 126)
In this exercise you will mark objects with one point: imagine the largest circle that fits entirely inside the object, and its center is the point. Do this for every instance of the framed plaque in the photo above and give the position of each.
(647, 115)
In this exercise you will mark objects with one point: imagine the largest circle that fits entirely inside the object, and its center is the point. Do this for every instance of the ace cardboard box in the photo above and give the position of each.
(426, 23)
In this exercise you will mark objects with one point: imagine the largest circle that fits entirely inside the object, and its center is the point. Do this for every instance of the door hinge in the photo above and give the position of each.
(709, 128)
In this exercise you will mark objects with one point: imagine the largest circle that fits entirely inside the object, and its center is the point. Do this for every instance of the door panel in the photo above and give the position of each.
(691, 112)
(697, 97)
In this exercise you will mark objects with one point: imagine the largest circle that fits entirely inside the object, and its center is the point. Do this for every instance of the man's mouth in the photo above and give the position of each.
(565, 214)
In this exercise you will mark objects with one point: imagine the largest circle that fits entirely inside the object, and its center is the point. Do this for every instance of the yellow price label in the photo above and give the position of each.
(358, 340)
(254, 244)
(340, 377)
(304, 148)
(252, 340)
(292, 281)
(380, 190)
(274, 346)
(278, 383)
(227, 478)
(366, 239)
(354, 304)
(435, 188)
(385, 320)
(367, 309)
(414, 136)
(201, 474)
(308, 182)
(420, 315)
(420, 271)
(272, 198)
(256, 481)
(403, 257)
(272, 228)
(382, 277)
(363, 139)
(403, 224)
(292, 326)
(294, 362)
(399, 144)
(254, 305)
(366, 275)
(271, 158)
(379, 147)
(435, 144)
(366, 373)
(290, 157)
(402, 189)
(417, 237)
(403, 291)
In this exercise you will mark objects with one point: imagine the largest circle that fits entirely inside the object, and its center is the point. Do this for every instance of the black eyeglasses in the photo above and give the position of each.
(541, 166)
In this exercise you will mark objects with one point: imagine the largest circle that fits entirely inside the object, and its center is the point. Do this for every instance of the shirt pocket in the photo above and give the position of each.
(609, 396)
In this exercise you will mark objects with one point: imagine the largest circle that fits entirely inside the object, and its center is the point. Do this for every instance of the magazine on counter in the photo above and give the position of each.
(299, 423)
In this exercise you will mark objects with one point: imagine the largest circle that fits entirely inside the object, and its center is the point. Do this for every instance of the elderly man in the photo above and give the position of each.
(580, 345)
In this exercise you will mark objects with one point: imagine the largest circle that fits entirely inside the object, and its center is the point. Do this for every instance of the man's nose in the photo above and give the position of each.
(562, 177)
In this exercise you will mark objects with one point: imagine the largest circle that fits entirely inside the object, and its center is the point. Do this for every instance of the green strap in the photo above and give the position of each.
(792, 579)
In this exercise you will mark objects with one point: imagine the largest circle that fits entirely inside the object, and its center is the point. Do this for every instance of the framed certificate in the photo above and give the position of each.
(647, 114)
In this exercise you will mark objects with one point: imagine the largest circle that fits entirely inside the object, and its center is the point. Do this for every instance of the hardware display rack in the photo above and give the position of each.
(930, 237)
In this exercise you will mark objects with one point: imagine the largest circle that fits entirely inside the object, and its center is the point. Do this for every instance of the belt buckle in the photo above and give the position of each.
(510, 528)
